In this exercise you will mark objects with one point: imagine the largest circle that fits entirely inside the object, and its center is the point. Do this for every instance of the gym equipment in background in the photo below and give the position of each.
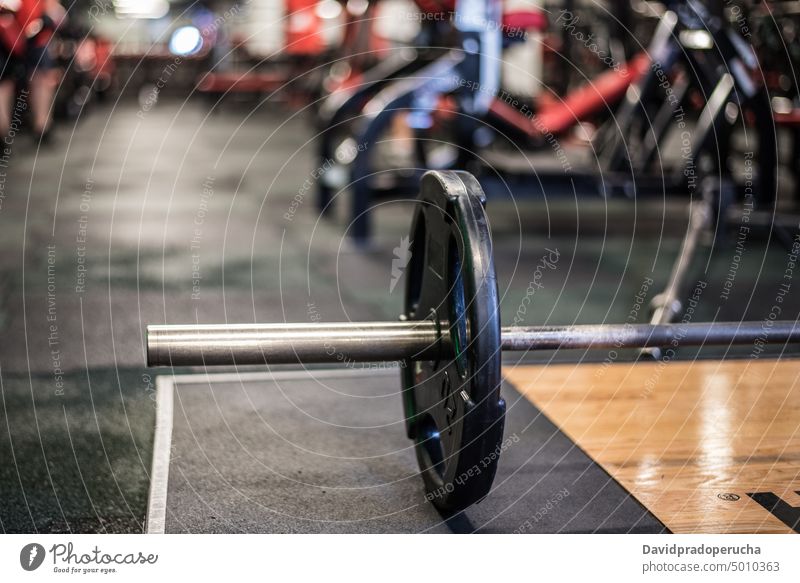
(694, 60)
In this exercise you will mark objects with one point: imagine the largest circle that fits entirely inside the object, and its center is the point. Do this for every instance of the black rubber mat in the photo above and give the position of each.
(325, 451)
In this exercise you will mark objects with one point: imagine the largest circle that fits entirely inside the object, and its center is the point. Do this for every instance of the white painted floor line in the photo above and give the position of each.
(162, 444)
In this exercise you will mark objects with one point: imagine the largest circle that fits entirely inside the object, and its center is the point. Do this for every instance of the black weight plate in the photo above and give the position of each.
(453, 408)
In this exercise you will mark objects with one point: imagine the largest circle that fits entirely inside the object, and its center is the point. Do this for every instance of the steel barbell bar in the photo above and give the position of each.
(259, 344)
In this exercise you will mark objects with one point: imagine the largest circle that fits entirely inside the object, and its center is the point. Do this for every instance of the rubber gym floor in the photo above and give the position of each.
(176, 215)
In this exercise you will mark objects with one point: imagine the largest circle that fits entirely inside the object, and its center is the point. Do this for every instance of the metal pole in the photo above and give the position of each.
(649, 335)
(389, 341)
(290, 343)
(667, 304)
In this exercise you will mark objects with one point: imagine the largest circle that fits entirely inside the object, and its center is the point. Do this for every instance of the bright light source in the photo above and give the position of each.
(141, 8)
(12, 5)
(357, 7)
(185, 41)
(782, 105)
(696, 39)
(329, 9)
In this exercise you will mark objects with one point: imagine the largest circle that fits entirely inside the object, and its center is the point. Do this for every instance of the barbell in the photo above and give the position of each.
(447, 343)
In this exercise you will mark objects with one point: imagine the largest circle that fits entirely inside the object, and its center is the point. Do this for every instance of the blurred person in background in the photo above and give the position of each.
(12, 64)
(38, 20)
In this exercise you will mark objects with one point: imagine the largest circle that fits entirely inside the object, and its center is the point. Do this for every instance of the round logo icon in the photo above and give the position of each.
(728, 497)
(31, 556)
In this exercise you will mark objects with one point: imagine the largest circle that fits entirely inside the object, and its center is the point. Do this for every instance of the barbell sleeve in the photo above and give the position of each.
(245, 344)
(242, 344)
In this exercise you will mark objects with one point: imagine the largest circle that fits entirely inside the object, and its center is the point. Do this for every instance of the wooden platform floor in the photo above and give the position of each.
(692, 441)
